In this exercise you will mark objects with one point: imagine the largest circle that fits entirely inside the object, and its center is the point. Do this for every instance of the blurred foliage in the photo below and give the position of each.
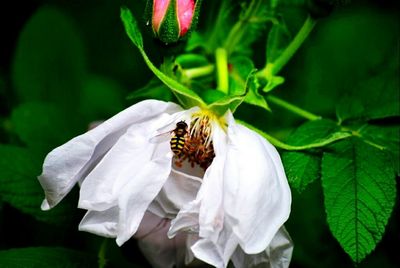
(45, 257)
(66, 64)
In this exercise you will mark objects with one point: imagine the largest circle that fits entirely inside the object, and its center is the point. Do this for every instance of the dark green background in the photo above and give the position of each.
(352, 44)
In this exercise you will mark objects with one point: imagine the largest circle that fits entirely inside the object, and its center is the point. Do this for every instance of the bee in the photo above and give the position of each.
(178, 139)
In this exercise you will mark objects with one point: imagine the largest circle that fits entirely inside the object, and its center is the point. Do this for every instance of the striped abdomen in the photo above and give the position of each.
(177, 143)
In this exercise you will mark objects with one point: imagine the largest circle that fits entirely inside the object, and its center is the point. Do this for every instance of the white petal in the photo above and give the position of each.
(103, 223)
(67, 164)
(137, 195)
(277, 255)
(211, 214)
(257, 195)
(179, 189)
(218, 252)
(216, 241)
(205, 213)
(158, 249)
(101, 188)
(187, 219)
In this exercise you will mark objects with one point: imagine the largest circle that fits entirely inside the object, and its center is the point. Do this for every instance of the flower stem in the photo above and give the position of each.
(102, 253)
(199, 71)
(221, 58)
(273, 68)
(292, 108)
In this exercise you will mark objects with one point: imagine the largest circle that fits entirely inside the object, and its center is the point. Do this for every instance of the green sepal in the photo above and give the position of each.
(272, 83)
(231, 102)
(221, 106)
(185, 96)
(195, 18)
(169, 29)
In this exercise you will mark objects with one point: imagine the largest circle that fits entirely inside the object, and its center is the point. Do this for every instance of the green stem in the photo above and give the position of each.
(317, 144)
(199, 71)
(292, 108)
(102, 253)
(240, 27)
(275, 67)
(221, 58)
(357, 133)
(374, 144)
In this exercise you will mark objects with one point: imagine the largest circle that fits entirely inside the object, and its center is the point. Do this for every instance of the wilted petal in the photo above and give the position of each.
(257, 195)
(187, 219)
(103, 185)
(216, 251)
(67, 164)
(179, 189)
(277, 255)
(136, 195)
(103, 223)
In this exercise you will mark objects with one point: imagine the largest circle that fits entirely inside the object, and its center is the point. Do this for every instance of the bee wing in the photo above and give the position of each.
(161, 137)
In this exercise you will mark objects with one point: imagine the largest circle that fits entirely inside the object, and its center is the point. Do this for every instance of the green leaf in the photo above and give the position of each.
(46, 257)
(153, 90)
(314, 131)
(360, 190)
(301, 168)
(253, 97)
(41, 126)
(185, 96)
(131, 27)
(385, 136)
(242, 80)
(226, 103)
(49, 62)
(20, 188)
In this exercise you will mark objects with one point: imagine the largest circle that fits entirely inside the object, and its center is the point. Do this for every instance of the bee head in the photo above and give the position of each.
(181, 124)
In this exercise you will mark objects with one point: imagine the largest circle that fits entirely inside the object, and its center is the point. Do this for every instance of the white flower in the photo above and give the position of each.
(231, 208)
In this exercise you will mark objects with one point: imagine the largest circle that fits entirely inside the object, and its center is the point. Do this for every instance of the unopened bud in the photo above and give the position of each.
(172, 19)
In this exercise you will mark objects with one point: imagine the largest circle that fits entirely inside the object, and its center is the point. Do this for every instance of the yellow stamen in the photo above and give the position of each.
(199, 147)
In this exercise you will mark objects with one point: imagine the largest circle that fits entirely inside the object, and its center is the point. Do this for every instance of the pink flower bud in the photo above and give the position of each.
(172, 19)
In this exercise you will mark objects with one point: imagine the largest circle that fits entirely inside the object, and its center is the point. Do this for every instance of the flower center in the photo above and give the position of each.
(198, 148)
